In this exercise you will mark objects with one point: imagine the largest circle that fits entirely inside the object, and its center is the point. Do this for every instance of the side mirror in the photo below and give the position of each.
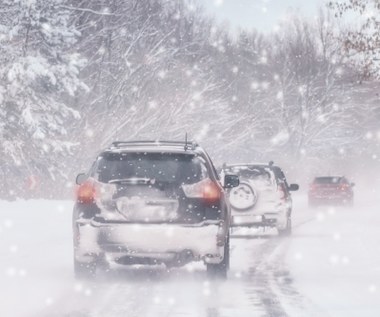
(352, 184)
(294, 187)
(81, 178)
(231, 181)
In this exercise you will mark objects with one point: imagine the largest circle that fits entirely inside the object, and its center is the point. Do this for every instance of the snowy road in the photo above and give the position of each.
(329, 267)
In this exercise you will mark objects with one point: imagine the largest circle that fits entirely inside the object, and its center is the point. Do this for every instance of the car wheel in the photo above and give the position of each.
(84, 270)
(220, 270)
(103, 265)
(287, 231)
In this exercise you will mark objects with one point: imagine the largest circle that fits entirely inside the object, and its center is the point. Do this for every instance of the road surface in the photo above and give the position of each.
(330, 266)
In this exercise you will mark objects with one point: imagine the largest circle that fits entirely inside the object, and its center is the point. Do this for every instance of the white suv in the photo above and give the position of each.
(263, 197)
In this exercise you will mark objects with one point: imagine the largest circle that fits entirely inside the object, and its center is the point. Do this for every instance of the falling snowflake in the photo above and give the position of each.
(89, 133)
(161, 74)
(372, 288)
(298, 256)
(254, 85)
(13, 248)
(263, 60)
(334, 259)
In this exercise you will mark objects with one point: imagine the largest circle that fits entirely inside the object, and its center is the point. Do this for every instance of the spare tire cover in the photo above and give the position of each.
(243, 197)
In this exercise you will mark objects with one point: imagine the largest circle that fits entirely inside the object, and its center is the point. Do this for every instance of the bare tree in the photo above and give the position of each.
(361, 43)
(309, 68)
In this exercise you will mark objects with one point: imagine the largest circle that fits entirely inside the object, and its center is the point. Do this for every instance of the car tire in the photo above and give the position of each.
(287, 231)
(103, 265)
(220, 270)
(84, 270)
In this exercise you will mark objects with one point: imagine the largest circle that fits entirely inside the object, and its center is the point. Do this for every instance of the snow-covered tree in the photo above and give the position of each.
(38, 72)
(156, 69)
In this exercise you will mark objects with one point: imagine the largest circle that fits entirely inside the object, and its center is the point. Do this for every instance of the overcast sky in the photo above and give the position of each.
(260, 14)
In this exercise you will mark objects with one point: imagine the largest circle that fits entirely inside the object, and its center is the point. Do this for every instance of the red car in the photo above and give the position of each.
(331, 190)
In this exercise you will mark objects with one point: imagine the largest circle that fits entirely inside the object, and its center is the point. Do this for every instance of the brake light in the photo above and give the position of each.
(86, 193)
(206, 189)
(312, 187)
(211, 192)
(281, 192)
(344, 187)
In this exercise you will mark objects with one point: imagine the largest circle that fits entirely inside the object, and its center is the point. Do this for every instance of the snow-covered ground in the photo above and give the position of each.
(335, 260)
(329, 267)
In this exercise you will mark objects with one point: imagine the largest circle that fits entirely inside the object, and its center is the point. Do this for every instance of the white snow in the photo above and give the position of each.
(335, 260)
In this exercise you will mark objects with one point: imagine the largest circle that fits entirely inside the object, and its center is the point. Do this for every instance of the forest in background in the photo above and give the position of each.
(77, 75)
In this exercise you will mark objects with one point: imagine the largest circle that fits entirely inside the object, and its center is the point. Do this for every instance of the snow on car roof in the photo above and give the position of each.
(334, 176)
(237, 168)
(153, 149)
(246, 164)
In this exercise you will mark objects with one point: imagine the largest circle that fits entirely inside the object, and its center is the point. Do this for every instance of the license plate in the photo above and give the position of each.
(247, 219)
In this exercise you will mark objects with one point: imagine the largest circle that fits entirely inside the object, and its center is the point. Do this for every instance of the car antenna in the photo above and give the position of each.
(185, 141)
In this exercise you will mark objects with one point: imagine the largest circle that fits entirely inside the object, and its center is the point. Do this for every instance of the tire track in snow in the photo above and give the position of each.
(271, 281)
(258, 284)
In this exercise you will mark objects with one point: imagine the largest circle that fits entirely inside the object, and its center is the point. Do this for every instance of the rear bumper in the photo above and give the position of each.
(330, 193)
(269, 219)
(157, 242)
(333, 197)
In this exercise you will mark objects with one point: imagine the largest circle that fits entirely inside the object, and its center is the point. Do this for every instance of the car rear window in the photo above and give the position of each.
(249, 172)
(327, 180)
(161, 167)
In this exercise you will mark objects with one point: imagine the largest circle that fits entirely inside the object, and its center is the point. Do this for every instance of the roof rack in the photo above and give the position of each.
(185, 145)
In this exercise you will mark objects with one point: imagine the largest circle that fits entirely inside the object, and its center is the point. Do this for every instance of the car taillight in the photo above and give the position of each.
(281, 192)
(312, 187)
(344, 187)
(206, 189)
(86, 193)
